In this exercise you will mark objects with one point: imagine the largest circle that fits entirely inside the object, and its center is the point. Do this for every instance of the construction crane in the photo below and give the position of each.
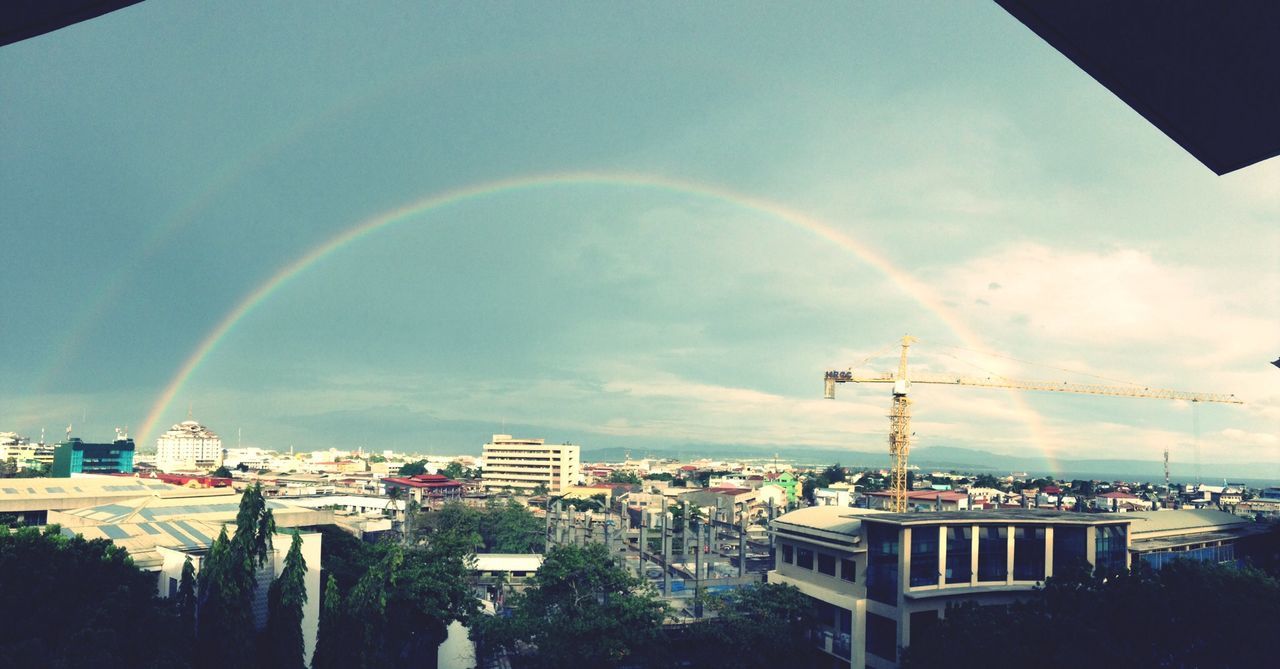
(900, 415)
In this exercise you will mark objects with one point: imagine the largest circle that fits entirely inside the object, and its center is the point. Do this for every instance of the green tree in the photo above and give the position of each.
(187, 599)
(1085, 611)
(284, 647)
(227, 584)
(332, 648)
(624, 477)
(221, 472)
(71, 603)
(455, 470)
(580, 610)
(771, 620)
(658, 476)
(413, 468)
(986, 481)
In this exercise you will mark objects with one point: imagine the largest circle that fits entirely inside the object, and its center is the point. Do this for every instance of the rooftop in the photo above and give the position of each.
(1002, 515)
(1204, 520)
(834, 519)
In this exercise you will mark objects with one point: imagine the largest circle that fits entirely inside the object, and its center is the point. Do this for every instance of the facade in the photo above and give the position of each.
(74, 456)
(1203, 535)
(878, 578)
(524, 464)
(428, 490)
(922, 500)
(189, 446)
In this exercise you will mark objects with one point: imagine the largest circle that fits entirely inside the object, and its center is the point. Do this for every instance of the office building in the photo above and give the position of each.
(74, 456)
(879, 578)
(187, 447)
(521, 465)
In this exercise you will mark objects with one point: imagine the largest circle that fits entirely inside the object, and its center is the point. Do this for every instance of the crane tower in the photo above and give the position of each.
(900, 413)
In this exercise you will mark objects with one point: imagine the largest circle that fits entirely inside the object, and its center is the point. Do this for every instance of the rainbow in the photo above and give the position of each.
(919, 292)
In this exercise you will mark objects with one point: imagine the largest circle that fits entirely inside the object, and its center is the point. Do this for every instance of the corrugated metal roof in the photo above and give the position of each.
(1145, 522)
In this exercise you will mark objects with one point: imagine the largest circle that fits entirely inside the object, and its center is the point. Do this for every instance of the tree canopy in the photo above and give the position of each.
(499, 527)
(769, 619)
(580, 610)
(71, 603)
(1187, 614)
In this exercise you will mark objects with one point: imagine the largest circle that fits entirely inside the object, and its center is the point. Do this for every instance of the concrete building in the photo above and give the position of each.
(33, 499)
(523, 464)
(878, 578)
(428, 490)
(187, 447)
(922, 500)
(74, 456)
(1203, 535)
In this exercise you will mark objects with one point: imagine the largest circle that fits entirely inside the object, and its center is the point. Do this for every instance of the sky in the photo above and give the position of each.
(646, 226)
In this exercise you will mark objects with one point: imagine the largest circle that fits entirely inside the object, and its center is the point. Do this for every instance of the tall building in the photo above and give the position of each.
(188, 446)
(74, 456)
(523, 464)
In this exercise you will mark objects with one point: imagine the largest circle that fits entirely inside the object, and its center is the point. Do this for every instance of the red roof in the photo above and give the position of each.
(424, 481)
(688, 468)
(1051, 490)
(728, 490)
(1118, 495)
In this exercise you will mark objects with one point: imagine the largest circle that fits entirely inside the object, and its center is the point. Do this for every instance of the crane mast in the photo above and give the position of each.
(900, 413)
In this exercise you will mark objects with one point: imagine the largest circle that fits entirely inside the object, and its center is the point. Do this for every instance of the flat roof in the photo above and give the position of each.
(1147, 522)
(1001, 515)
(508, 561)
(834, 519)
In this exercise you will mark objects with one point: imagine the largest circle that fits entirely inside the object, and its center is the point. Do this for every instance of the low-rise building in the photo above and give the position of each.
(428, 490)
(921, 500)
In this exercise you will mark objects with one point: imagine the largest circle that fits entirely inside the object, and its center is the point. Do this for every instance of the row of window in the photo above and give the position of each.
(993, 545)
(806, 558)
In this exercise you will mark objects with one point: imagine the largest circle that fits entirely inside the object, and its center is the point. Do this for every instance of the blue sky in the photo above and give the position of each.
(163, 161)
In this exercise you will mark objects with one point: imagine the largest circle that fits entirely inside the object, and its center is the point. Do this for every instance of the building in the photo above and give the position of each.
(74, 456)
(922, 500)
(189, 446)
(33, 499)
(878, 578)
(1203, 535)
(524, 464)
(428, 490)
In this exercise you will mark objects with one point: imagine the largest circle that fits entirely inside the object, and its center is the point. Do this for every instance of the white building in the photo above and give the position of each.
(523, 464)
(188, 446)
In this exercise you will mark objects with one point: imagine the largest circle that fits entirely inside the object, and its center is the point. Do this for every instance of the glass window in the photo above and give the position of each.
(787, 555)
(882, 637)
(924, 556)
(849, 570)
(826, 564)
(1109, 549)
(1069, 550)
(804, 558)
(882, 563)
(993, 553)
(1028, 553)
(959, 554)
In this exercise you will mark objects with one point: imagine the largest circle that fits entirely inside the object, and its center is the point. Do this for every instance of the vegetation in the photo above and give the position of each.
(581, 610)
(398, 610)
(70, 603)
(413, 468)
(500, 527)
(624, 477)
(658, 476)
(283, 646)
(831, 474)
(227, 583)
(457, 472)
(221, 472)
(768, 619)
(1188, 614)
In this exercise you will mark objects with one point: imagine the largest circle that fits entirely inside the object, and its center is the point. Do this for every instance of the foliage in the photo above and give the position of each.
(221, 472)
(282, 641)
(986, 481)
(624, 477)
(769, 619)
(332, 649)
(375, 459)
(457, 472)
(227, 583)
(1188, 614)
(413, 468)
(580, 610)
(500, 527)
(71, 603)
(831, 474)
(658, 476)
(187, 601)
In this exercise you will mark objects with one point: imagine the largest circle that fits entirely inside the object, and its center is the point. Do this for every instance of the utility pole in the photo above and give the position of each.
(666, 553)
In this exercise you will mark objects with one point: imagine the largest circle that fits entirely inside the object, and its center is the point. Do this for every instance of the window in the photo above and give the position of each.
(993, 553)
(1028, 554)
(788, 554)
(882, 637)
(826, 564)
(804, 558)
(1109, 549)
(924, 556)
(849, 570)
(882, 563)
(1069, 550)
(959, 554)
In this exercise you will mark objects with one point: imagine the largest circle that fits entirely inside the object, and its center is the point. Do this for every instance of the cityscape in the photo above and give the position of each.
(663, 336)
